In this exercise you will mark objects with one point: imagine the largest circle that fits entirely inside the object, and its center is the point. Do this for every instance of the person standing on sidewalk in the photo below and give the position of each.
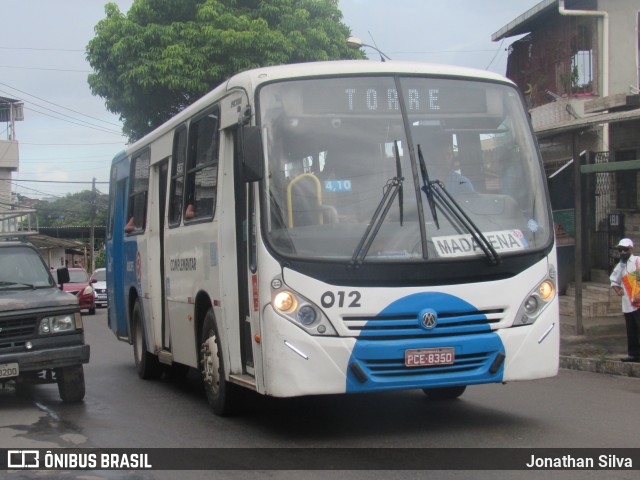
(626, 283)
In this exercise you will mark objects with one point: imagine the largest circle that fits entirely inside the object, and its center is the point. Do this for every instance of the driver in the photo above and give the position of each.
(440, 160)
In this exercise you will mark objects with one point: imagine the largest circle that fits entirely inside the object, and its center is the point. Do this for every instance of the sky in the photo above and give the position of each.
(68, 138)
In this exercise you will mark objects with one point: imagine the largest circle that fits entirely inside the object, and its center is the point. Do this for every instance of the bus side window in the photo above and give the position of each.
(202, 166)
(138, 188)
(177, 175)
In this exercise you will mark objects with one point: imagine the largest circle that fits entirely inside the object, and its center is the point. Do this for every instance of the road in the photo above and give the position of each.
(574, 409)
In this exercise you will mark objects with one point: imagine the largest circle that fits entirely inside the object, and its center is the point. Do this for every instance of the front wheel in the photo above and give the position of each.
(147, 364)
(71, 383)
(219, 391)
(444, 393)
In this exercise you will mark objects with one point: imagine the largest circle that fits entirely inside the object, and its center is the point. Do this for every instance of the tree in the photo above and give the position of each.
(73, 210)
(164, 54)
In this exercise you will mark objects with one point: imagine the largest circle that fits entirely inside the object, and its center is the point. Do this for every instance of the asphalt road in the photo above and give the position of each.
(572, 410)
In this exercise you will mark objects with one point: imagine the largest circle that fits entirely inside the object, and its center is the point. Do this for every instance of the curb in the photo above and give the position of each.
(600, 365)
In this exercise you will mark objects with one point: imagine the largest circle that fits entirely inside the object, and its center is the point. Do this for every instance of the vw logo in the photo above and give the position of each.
(429, 320)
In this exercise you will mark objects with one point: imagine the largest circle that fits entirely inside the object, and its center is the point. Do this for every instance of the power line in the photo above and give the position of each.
(496, 54)
(43, 49)
(59, 106)
(75, 123)
(70, 144)
(50, 181)
(36, 191)
(46, 69)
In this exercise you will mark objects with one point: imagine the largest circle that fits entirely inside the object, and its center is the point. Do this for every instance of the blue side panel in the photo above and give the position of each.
(116, 257)
(378, 358)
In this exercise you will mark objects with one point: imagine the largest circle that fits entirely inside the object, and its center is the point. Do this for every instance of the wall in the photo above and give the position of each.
(623, 43)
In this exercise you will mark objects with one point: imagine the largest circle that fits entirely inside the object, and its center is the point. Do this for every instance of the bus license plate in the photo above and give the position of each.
(8, 370)
(426, 357)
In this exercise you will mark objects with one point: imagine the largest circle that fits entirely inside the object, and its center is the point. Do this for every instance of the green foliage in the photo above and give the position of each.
(164, 54)
(73, 210)
(100, 259)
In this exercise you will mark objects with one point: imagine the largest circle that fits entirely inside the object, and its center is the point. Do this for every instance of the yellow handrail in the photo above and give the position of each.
(318, 196)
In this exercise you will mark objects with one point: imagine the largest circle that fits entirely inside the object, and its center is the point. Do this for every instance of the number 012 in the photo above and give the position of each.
(328, 299)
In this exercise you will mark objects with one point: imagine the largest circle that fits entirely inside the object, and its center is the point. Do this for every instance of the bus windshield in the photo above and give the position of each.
(458, 156)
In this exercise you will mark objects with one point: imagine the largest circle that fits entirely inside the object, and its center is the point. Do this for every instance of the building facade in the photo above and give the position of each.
(576, 62)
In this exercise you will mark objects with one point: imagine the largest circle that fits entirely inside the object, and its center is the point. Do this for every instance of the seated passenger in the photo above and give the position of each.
(439, 158)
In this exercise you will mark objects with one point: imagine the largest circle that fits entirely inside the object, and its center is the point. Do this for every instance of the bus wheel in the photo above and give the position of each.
(218, 390)
(147, 364)
(71, 383)
(444, 393)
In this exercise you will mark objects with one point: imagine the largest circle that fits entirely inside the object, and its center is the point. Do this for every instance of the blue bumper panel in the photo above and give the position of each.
(378, 358)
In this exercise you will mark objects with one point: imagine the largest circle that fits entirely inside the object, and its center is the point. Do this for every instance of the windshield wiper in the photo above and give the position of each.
(391, 189)
(427, 187)
(399, 175)
(454, 208)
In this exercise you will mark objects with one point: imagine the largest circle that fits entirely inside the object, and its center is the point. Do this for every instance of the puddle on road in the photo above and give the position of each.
(28, 424)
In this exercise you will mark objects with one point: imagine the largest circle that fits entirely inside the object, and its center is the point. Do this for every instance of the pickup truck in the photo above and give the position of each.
(41, 330)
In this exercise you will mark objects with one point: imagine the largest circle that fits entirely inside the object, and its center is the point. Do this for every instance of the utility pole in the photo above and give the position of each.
(93, 221)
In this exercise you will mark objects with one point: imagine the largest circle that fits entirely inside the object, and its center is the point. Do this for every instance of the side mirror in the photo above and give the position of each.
(252, 154)
(63, 276)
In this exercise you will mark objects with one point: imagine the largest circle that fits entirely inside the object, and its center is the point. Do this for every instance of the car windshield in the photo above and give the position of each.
(22, 266)
(99, 275)
(335, 146)
(78, 276)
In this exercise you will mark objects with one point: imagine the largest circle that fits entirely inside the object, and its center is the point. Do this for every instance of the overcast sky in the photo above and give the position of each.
(67, 134)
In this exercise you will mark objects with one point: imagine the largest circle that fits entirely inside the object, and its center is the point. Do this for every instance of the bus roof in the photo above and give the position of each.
(343, 67)
(251, 79)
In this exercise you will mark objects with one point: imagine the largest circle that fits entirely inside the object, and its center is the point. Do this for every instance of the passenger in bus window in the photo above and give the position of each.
(189, 212)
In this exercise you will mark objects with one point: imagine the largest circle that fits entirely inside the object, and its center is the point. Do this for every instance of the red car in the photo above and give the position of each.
(80, 286)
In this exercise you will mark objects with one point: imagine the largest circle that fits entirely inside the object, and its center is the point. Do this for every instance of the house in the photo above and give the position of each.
(11, 111)
(576, 62)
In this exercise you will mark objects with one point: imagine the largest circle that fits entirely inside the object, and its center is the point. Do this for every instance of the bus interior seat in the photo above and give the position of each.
(304, 201)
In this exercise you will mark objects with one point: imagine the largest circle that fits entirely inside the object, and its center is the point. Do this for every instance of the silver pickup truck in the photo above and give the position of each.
(41, 331)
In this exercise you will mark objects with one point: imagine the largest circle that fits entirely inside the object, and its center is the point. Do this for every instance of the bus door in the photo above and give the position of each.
(117, 313)
(246, 258)
(162, 202)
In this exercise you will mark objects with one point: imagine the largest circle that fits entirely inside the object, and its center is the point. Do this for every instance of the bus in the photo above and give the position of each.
(337, 227)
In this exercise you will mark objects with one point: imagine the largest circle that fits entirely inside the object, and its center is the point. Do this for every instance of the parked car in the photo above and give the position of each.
(41, 330)
(80, 286)
(99, 281)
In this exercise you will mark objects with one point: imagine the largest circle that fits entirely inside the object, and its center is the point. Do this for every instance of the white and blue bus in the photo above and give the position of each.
(338, 227)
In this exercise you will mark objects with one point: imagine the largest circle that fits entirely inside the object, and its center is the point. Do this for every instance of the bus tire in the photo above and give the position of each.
(147, 364)
(219, 392)
(71, 383)
(444, 393)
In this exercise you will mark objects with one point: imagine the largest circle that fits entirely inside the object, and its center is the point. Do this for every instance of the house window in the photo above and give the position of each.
(138, 188)
(626, 182)
(582, 61)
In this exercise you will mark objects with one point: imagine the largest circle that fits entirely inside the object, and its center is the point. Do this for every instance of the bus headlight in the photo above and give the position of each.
(536, 301)
(307, 315)
(300, 311)
(284, 302)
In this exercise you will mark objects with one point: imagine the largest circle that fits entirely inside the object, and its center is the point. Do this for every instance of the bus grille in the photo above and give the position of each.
(408, 326)
(17, 327)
